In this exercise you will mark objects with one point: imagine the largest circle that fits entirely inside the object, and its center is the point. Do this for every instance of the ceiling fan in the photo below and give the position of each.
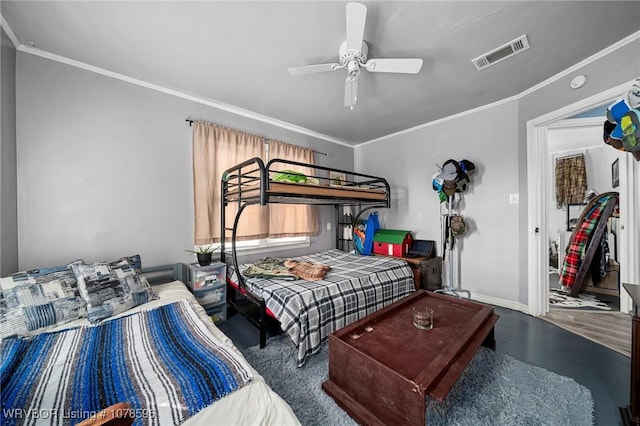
(353, 55)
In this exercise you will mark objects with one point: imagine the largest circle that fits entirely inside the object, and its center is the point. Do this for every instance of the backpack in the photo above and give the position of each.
(373, 225)
(630, 124)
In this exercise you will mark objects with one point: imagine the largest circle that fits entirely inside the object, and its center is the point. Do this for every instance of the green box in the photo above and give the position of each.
(391, 236)
(392, 242)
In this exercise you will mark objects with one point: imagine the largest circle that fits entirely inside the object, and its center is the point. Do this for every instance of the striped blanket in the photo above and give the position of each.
(164, 362)
(354, 287)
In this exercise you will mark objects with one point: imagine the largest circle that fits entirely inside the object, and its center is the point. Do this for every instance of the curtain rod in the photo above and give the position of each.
(580, 154)
(314, 151)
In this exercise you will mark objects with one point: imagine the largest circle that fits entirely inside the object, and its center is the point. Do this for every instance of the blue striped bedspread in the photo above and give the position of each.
(164, 362)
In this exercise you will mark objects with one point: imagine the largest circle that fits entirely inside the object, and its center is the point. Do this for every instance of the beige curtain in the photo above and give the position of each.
(292, 220)
(215, 149)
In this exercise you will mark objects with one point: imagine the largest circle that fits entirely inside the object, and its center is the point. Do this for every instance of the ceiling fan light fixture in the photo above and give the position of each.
(350, 92)
(354, 85)
(353, 70)
(352, 55)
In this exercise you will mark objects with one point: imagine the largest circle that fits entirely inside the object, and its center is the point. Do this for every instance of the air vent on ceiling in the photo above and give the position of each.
(501, 53)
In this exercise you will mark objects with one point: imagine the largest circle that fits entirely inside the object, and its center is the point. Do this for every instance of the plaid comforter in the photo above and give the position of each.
(353, 288)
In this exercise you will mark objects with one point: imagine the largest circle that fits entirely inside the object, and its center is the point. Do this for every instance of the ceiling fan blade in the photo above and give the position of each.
(310, 69)
(408, 65)
(350, 92)
(356, 16)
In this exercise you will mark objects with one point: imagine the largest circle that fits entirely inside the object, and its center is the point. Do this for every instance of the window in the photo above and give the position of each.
(216, 149)
(266, 244)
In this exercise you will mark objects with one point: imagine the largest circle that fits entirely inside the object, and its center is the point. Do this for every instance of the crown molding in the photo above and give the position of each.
(292, 127)
(439, 121)
(604, 52)
(7, 29)
(183, 95)
(599, 55)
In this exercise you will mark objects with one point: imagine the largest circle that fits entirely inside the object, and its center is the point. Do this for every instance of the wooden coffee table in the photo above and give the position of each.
(382, 368)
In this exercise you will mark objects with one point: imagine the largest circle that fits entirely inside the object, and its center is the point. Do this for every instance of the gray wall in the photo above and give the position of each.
(609, 71)
(493, 254)
(486, 253)
(8, 209)
(104, 167)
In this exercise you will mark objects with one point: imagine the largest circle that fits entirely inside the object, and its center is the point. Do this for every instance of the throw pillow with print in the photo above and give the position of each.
(39, 299)
(110, 288)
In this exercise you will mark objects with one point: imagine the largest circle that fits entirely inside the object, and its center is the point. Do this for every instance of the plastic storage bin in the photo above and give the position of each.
(201, 277)
(210, 295)
(218, 313)
(209, 285)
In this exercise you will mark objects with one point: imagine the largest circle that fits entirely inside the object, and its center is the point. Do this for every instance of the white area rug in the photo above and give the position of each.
(561, 298)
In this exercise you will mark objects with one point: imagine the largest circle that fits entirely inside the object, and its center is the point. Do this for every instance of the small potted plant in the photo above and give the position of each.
(204, 254)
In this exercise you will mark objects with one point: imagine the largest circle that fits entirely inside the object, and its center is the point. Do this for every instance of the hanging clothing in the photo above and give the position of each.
(571, 180)
(347, 220)
(600, 262)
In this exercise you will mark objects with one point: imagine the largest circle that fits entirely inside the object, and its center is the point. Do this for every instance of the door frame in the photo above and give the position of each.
(537, 222)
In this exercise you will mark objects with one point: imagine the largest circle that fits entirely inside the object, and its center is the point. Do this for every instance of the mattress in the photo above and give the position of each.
(253, 404)
(353, 288)
(296, 193)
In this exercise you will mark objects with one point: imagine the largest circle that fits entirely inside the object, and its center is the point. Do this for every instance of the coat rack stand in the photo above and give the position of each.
(449, 287)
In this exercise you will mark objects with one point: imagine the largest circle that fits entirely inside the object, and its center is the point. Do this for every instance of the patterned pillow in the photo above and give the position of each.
(110, 288)
(39, 299)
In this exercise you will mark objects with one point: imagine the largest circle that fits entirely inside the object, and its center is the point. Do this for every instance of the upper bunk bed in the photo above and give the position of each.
(254, 183)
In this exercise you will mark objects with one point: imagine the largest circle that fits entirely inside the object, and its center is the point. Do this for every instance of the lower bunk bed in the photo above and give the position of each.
(166, 358)
(353, 287)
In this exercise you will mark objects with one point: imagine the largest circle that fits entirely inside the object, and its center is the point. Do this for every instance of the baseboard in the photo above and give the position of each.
(503, 303)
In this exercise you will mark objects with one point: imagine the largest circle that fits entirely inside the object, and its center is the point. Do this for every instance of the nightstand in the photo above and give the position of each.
(427, 271)
(209, 285)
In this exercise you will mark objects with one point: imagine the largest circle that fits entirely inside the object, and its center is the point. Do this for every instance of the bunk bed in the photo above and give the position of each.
(584, 249)
(252, 182)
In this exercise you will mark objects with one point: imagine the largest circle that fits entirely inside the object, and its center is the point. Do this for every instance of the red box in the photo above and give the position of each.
(392, 242)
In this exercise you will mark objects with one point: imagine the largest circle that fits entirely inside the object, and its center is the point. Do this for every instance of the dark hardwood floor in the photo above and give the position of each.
(603, 371)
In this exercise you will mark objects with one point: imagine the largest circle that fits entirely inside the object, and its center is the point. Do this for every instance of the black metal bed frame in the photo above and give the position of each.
(250, 183)
(166, 273)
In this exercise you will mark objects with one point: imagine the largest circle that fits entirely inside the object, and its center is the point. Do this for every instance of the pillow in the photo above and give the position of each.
(110, 288)
(39, 299)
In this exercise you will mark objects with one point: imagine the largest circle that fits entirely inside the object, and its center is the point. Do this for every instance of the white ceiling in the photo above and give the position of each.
(237, 53)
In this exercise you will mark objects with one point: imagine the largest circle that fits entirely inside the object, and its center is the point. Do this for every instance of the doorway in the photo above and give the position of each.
(538, 196)
(575, 146)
